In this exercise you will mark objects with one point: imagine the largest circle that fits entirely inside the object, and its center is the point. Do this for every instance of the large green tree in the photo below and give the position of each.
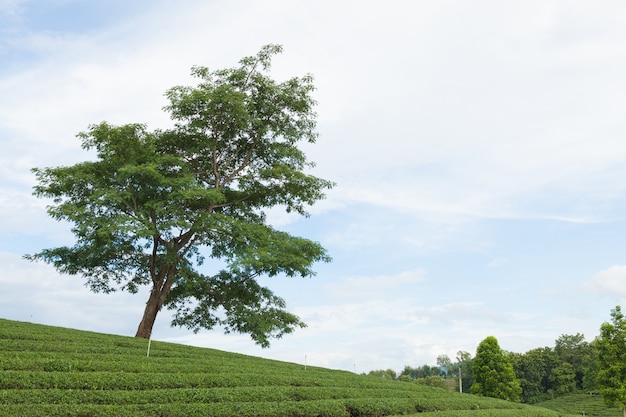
(493, 373)
(611, 350)
(154, 206)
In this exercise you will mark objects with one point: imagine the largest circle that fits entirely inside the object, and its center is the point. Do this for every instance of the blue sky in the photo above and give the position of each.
(478, 149)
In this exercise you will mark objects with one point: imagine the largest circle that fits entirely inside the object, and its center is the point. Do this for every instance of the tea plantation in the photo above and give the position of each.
(583, 405)
(50, 371)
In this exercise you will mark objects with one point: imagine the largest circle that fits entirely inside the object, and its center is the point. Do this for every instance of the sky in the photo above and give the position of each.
(478, 149)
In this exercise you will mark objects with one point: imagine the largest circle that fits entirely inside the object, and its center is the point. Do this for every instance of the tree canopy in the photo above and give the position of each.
(154, 206)
(493, 373)
(611, 346)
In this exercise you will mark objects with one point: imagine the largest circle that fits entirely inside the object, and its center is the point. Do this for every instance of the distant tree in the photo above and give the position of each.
(433, 381)
(154, 206)
(445, 364)
(421, 372)
(612, 360)
(590, 379)
(461, 370)
(533, 369)
(493, 374)
(574, 350)
(409, 372)
(546, 373)
(563, 378)
(383, 373)
(464, 372)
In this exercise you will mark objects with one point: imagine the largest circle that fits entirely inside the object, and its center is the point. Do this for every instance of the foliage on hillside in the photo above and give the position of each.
(48, 371)
(544, 373)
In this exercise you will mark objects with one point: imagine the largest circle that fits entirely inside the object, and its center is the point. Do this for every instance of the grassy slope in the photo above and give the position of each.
(582, 404)
(50, 371)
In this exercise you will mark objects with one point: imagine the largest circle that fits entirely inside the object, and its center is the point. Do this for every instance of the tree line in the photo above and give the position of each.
(571, 365)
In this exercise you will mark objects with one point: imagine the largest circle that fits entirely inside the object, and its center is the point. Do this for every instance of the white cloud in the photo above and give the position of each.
(611, 282)
(376, 287)
(497, 262)
(36, 292)
(11, 8)
(457, 313)
(434, 110)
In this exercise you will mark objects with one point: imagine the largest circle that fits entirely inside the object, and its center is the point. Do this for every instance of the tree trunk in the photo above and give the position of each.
(149, 315)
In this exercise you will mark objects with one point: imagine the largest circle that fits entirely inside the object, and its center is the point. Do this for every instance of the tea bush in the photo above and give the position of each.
(48, 371)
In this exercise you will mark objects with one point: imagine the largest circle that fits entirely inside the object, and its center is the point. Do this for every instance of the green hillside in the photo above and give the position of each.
(50, 371)
(582, 404)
